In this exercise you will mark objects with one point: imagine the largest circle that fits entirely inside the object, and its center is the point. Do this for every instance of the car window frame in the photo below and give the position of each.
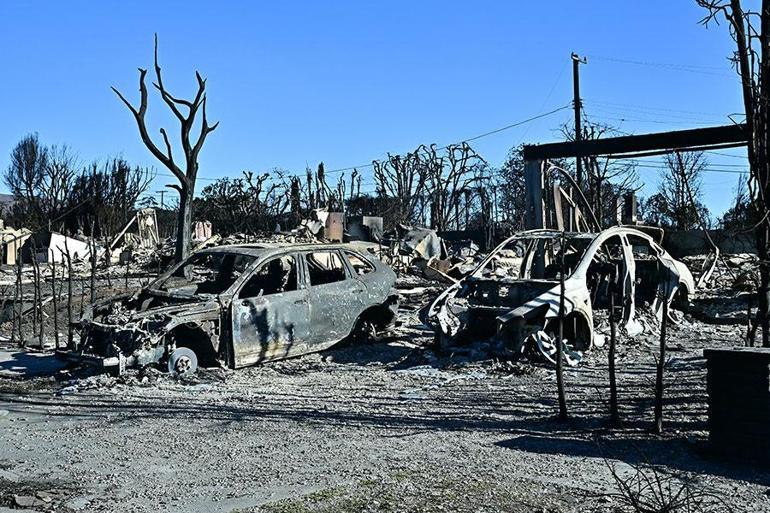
(263, 262)
(345, 266)
(352, 269)
(170, 272)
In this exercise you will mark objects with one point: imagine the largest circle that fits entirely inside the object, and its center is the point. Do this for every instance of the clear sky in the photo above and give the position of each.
(295, 83)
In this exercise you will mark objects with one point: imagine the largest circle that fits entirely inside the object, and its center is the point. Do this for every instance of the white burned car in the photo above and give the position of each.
(514, 293)
(241, 305)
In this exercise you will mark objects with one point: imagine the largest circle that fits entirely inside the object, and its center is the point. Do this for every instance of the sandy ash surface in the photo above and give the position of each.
(388, 426)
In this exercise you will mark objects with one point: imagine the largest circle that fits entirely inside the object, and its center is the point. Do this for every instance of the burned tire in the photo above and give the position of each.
(183, 361)
(363, 332)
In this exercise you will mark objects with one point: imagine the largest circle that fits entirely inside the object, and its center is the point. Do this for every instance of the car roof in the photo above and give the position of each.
(544, 233)
(264, 249)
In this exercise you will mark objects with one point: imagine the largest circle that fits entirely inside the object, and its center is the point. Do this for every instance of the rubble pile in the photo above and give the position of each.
(422, 252)
(731, 272)
(726, 297)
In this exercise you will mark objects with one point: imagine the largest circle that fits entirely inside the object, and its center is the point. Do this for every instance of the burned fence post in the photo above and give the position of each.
(107, 261)
(34, 288)
(92, 248)
(751, 326)
(20, 301)
(13, 308)
(82, 293)
(37, 300)
(69, 295)
(4, 306)
(39, 287)
(614, 415)
(563, 415)
(55, 300)
(661, 357)
(16, 317)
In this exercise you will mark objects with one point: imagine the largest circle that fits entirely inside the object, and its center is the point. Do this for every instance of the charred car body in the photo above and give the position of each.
(241, 305)
(514, 293)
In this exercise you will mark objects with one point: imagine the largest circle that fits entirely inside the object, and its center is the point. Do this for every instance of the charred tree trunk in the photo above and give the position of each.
(753, 67)
(191, 147)
(184, 224)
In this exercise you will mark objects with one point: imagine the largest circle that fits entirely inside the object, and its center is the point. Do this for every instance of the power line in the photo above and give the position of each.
(654, 121)
(474, 138)
(689, 68)
(705, 170)
(658, 115)
(469, 139)
(632, 106)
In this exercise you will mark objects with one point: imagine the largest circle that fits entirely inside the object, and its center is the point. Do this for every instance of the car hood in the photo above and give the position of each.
(126, 309)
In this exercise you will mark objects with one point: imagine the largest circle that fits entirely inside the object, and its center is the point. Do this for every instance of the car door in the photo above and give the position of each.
(271, 313)
(335, 297)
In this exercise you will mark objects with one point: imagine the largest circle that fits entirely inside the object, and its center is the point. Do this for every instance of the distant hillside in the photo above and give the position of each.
(6, 199)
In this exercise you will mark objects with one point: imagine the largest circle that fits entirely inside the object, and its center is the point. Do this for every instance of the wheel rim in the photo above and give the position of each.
(183, 364)
(183, 361)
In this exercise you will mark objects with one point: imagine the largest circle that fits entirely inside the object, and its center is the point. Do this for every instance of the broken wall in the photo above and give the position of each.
(681, 243)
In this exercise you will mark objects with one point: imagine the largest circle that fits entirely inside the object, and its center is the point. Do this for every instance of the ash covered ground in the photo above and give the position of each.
(382, 426)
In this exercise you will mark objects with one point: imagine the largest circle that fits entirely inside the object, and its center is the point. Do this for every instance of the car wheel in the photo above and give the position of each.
(365, 331)
(182, 361)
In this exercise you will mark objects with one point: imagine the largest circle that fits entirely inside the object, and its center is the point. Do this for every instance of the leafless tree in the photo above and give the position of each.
(24, 176)
(403, 178)
(606, 179)
(40, 179)
(187, 173)
(252, 203)
(751, 32)
(676, 204)
(107, 194)
(451, 178)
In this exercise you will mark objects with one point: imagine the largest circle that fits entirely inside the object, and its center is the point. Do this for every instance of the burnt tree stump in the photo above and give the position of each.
(738, 383)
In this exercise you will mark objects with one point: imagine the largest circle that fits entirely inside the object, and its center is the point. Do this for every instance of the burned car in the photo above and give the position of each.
(241, 305)
(514, 293)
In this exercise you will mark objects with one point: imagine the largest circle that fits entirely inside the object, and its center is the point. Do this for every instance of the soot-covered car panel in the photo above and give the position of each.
(241, 305)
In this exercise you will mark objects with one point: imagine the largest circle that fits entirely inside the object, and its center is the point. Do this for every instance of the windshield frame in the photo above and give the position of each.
(534, 235)
(154, 287)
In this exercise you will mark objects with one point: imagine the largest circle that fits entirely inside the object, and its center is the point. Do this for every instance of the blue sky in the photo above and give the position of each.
(296, 83)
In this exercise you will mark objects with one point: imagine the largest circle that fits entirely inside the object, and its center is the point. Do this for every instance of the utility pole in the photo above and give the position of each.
(161, 192)
(576, 62)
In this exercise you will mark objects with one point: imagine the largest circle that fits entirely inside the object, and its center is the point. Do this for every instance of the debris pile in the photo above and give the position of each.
(421, 251)
(728, 295)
